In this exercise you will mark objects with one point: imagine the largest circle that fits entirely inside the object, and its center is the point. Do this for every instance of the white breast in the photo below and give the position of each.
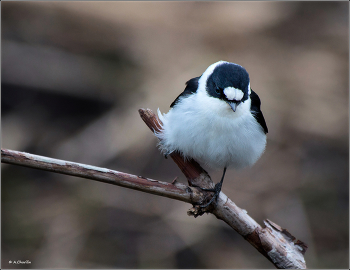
(207, 130)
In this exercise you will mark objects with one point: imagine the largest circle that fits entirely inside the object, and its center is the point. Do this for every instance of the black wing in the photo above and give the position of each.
(191, 87)
(255, 109)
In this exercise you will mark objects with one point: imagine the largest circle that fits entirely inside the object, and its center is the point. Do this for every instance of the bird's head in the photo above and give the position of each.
(228, 82)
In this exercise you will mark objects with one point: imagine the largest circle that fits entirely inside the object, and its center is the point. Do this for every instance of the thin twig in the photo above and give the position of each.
(175, 191)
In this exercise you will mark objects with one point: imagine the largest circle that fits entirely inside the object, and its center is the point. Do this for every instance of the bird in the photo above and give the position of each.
(217, 121)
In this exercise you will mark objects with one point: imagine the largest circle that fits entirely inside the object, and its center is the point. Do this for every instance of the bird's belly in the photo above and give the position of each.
(220, 143)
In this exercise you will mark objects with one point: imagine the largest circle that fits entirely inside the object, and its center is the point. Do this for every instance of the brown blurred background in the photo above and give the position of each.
(74, 75)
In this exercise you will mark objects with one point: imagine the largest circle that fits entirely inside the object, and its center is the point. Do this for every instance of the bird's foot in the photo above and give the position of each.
(216, 190)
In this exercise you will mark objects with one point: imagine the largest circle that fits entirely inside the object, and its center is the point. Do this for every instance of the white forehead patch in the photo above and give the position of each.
(233, 93)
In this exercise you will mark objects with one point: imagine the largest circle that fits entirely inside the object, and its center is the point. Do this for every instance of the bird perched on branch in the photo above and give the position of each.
(216, 120)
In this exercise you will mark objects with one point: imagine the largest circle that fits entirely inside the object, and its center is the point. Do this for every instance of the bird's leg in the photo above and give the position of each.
(216, 189)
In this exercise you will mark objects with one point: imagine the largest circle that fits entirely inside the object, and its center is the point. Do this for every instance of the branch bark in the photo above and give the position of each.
(175, 190)
(274, 242)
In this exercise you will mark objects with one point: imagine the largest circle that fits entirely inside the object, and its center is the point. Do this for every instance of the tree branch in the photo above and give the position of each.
(175, 191)
(274, 242)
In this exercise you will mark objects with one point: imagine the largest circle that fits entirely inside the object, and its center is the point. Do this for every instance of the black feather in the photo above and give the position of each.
(227, 75)
(191, 88)
(255, 109)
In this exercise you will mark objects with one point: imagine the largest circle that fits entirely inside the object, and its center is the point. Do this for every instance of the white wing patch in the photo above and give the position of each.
(233, 93)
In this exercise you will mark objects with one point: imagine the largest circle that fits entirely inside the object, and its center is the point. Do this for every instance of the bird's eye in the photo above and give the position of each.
(217, 90)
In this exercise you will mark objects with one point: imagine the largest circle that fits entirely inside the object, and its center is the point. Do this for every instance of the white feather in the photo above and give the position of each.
(206, 129)
(232, 93)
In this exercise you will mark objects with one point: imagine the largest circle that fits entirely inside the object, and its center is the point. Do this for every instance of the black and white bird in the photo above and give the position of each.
(216, 120)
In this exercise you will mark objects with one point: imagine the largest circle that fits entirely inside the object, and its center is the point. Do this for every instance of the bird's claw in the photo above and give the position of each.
(216, 190)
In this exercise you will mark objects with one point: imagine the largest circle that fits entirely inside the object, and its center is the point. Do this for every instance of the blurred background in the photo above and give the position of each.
(74, 75)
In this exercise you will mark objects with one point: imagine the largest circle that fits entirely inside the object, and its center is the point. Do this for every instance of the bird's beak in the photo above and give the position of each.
(233, 105)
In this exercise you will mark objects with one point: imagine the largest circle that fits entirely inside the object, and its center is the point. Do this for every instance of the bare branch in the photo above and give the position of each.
(175, 191)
